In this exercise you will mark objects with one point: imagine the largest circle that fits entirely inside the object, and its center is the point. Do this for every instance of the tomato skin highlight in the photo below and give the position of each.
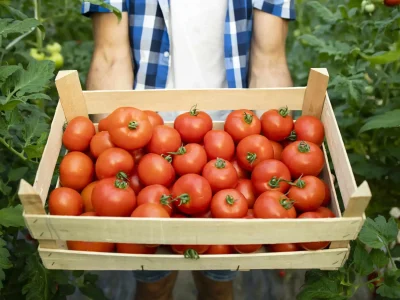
(190, 158)
(245, 187)
(220, 249)
(112, 161)
(219, 143)
(193, 193)
(309, 129)
(278, 148)
(229, 203)
(308, 193)
(76, 170)
(193, 125)
(154, 169)
(86, 195)
(180, 249)
(99, 143)
(288, 247)
(241, 123)
(155, 193)
(303, 158)
(112, 201)
(78, 133)
(154, 118)
(242, 173)
(165, 139)
(65, 201)
(276, 124)
(220, 174)
(327, 198)
(270, 174)
(275, 205)
(312, 245)
(252, 150)
(135, 249)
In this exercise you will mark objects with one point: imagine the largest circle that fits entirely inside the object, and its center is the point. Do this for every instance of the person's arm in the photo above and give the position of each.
(111, 66)
(268, 65)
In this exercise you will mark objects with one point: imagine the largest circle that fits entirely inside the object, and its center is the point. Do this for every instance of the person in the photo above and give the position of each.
(164, 44)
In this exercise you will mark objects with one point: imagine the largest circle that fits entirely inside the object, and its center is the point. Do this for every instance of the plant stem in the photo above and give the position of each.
(39, 35)
(19, 154)
(390, 257)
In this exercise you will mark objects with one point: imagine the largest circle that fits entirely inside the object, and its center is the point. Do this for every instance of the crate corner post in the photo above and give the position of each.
(314, 96)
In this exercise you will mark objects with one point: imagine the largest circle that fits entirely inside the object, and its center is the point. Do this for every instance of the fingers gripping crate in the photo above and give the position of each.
(52, 231)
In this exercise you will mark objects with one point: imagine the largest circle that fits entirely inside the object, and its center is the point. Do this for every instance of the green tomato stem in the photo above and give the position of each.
(292, 136)
(183, 199)
(286, 203)
(220, 163)
(193, 110)
(181, 151)
(133, 125)
(283, 111)
(120, 184)
(251, 157)
(168, 158)
(303, 147)
(275, 182)
(230, 200)
(191, 254)
(248, 118)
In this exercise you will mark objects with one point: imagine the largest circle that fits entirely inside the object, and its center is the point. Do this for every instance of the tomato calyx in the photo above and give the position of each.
(220, 163)
(166, 200)
(275, 182)
(303, 147)
(193, 110)
(251, 157)
(230, 200)
(248, 118)
(121, 184)
(286, 203)
(183, 199)
(133, 125)
(191, 254)
(181, 151)
(168, 158)
(122, 176)
(293, 136)
(299, 183)
(283, 111)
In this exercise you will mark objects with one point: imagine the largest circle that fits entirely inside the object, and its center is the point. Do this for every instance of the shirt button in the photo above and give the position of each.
(166, 54)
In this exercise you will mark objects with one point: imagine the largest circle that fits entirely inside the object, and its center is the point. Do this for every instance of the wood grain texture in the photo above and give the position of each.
(314, 96)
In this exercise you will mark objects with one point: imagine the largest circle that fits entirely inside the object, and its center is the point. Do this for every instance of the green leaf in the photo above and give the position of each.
(17, 174)
(379, 258)
(93, 292)
(36, 151)
(385, 58)
(12, 216)
(16, 14)
(59, 276)
(18, 26)
(4, 261)
(66, 289)
(362, 261)
(4, 189)
(36, 96)
(390, 287)
(34, 278)
(323, 12)
(390, 119)
(378, 233)
(111, 8)
(92, 278)
(77, 273)
(6, 71)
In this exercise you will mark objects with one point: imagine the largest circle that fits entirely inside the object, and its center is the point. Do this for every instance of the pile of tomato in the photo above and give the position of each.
(136, 166)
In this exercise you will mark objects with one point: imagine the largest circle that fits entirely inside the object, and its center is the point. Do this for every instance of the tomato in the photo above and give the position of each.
(307, 193)
(252, 150)
(246, 249)
(229, 203)
(242, 173)
(189, 159)
(112, 161)
(150, 210)
(325, 212)
(135, 249)
(78, 133)
(220, 174)
(193, 125)
(66, 202)
(278, 148)
(155, 169)
(138, 154)
(276, 124)
(155, 193)
(309, 129)
(220, 249)
(327, 198)
(241, 123)
(113, 198)
(34, 52)
(181, 249)
(270, 174)
(193, 194)
(303, 158)
(312, 245)
(207, 214)
(57, 58)
(99, 143)
(134, 182)
(245, 187)
(154, 118)
(54, 47)
(129, 128)
(391, 2)
(250, 213)
(219, 143)
(165, 139)
(178, 215)
(103, 124)
(76, 170)
(273, 204)
(288, 247)
(86, 195)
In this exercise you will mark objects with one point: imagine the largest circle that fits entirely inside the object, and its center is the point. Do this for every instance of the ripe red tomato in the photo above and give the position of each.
(165, 139)
(65, 202)
(220, 174)
(312, 245)
(278, 148)
(307, 193)
(288, 247)
(245, 187)
(113, 198)
(138, 154)
(129, 128)
(76, 170)
(273, 204)
(154, 118)
(270, 174)
(155, 169)
(229, 203)
(193, 194)
(327, 198)
(150, 210)
(207, 214)
(276, 124)
(252, 150)
(178, 215)
(193, 125)
(250, 213)
(180, 249)
(86, 195)
(325, 212)
(189, 159)
(219, 143)
(391, 3)
(303, 158)
(309, 129)
(241, 123)
(220, 249)
(78, 134)
(103, 124)
(99, 143)
(155, 193)
(134, 182)
(135, 249)
(242, 173)
(112, 161)
(246, 249)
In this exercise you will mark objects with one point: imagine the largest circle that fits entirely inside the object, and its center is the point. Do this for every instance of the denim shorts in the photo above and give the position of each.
(154, 276)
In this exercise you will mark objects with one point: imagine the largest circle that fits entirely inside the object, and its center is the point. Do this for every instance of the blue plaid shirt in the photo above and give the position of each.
(151, 44)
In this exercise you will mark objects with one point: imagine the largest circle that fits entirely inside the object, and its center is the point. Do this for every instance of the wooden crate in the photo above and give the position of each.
(52, 231)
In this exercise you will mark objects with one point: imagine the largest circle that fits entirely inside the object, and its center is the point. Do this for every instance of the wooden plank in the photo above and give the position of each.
(71, 95)
(328, 178)
(80, 260)
(50, 155)
(344, 173)
(314, 96)
(99, 102)
(192, 231)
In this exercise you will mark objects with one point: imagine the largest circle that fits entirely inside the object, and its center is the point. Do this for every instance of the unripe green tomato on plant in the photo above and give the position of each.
(297, 33)
(57, 58)
(370, 8)
(369, 89)
(54, 48)
(34, 52)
